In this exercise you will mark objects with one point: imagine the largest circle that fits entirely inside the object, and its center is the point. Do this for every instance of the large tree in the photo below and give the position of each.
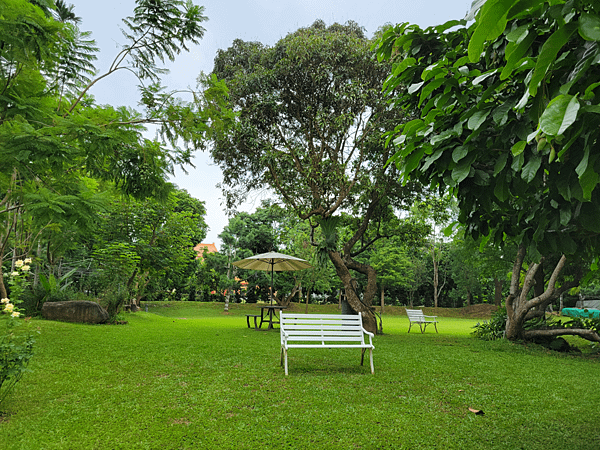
(53, 135)
(508, 123)
(309, 127)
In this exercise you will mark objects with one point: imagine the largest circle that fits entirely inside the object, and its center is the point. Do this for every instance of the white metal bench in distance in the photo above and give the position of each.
(417, 316)
(323, 331)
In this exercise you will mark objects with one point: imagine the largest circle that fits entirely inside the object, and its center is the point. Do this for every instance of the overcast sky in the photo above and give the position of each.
(265, 21)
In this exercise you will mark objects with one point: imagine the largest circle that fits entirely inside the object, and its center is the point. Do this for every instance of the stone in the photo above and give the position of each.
(79, 311)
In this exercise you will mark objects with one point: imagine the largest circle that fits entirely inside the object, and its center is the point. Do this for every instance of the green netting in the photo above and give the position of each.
(578, 312)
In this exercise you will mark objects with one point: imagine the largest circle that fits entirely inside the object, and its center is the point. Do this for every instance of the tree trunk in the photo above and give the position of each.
(436, 279)
(519, 309)
(498, 292)
(362, 307)
(382, 299)
(3, 293)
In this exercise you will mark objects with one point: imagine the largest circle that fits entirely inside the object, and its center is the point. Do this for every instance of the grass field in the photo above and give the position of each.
(188, 376)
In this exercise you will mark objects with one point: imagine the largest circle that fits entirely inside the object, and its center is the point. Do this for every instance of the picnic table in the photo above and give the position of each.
(268, 313)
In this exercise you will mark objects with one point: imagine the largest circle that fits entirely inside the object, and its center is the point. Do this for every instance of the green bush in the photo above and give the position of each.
(494, 329)
(16, 340)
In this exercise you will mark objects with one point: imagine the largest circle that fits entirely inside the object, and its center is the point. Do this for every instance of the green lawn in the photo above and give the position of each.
(188, 376)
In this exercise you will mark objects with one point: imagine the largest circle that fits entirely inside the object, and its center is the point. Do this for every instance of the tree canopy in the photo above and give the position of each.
(508, 121)
(310, 120)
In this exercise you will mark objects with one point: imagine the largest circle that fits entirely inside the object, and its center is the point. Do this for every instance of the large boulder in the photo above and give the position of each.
(75, 311)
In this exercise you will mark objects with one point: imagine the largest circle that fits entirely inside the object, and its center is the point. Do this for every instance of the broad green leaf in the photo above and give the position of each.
(589, 27)
(491, 24)
(583, 164)
(406, 62)
(500, 163)
(429, 88)
(589, 91)
(518, 34)
(548, 54)
(501, 190)
(517, 162)
(459, 153)
(500, 114)
(410, 128)
(477, 119)
(518, 148)
(531, 168)
(514, 54)
(461, 171)
(415, 87)
(565, 216)
(591, 109)
(412, 161)
(431, 159)
(559, 115)
(588, 181)
(483, 77)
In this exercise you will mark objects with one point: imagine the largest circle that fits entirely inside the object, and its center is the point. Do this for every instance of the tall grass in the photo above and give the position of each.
(188, 376)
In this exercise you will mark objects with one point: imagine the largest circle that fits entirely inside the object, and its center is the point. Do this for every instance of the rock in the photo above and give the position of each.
(80, 311)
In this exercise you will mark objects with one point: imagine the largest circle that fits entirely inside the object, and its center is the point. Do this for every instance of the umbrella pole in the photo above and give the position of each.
(272, 285)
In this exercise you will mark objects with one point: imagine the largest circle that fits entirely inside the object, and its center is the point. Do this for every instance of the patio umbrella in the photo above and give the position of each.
(274, 262)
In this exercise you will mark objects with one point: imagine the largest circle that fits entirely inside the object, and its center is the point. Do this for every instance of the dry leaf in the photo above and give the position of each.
(477, 412)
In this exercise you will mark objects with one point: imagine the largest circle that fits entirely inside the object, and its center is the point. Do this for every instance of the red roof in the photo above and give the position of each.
(208, 248)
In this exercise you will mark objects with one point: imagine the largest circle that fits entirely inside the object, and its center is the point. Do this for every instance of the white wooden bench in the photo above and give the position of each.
(417, 316)
(323, 331)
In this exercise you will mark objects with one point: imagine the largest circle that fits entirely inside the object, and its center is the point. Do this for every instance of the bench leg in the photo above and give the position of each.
(409, 325)
(248, 321)
(362, 356)
(435, 325)
(284, 355)
(255, 326)
(421, 327)
(371, 356)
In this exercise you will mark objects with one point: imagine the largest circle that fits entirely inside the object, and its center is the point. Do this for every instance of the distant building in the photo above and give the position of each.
(200, 249)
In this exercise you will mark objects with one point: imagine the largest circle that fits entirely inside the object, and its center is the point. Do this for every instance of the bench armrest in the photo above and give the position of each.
(430, 317)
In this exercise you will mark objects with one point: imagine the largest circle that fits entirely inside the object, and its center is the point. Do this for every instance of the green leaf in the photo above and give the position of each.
(548, 54)
(589, 27)
(518, 148)
(559, 115)
(415, 87)
(517, 162)
(531, 168)
(483, 77)
(490, 25)
(514, 54)
(461, 171)
(412, 161)
(500, 163)
(459, 153)
(477, 119)
(501, 189)
(518, 34)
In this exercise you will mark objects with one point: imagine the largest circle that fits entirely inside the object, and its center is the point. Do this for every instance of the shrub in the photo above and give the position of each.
(16, 339)
(494, 329)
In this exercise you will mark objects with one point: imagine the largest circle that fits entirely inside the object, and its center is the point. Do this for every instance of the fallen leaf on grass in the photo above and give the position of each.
(477, 412)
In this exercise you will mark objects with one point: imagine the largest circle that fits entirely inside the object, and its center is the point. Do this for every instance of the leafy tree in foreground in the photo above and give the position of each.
(310, 120)
(509, 122)
(53, 135)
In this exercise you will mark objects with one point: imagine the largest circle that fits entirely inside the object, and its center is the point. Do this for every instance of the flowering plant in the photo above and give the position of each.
(16, 345)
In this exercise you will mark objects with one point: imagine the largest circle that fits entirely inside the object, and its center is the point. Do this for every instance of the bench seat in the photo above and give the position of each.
(323, 331)
(256, 316)
(417, 316)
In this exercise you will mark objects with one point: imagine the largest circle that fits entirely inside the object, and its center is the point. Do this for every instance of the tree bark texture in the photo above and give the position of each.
(342, 269)
(519, 309)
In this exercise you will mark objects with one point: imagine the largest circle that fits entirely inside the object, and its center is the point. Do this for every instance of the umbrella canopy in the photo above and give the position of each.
(274, 262)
